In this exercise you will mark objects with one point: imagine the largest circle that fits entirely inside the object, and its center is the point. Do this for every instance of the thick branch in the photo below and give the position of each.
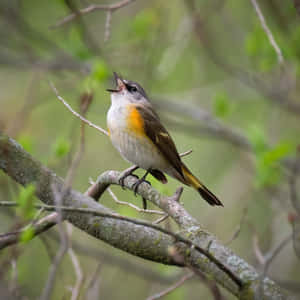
(135, 239)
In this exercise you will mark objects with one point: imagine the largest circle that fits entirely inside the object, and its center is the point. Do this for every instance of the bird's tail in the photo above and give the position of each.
(201, 188)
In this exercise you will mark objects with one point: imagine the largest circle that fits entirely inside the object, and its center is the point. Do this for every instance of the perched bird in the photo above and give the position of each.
(137, 133)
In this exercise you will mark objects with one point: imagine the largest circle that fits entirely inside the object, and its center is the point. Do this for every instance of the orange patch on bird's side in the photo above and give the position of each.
(135, 121)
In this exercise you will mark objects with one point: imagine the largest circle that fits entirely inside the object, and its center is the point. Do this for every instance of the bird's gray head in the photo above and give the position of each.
(128, 91)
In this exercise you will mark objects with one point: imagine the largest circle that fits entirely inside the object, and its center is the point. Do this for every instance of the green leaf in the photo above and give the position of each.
(61, 147)
(25, 201)
(221, 105)
(144, 22)
(277, 153)
(27, 235)
(268, 169)
(100, 71)
(74, 45)
(257, 138)
(26, 142)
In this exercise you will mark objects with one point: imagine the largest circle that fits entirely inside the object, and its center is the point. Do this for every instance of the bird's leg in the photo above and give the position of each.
(138, 182)
(126, 173)
(144, 203)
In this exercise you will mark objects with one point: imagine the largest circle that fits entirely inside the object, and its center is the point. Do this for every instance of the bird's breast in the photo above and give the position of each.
(127, 134)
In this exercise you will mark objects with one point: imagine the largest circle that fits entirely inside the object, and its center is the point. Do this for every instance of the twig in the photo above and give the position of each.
(94, 282)
(158, 221)
(148, 211)
(63, 248)
(170, 289)
(91, 8)
(258, 254)
(207, 281)
(74, 112)
(239, 227)
(58, 197)
(107, 26)
(267, 259)
(78, 273)
(186, 153)
(267, 31)
(39, 226)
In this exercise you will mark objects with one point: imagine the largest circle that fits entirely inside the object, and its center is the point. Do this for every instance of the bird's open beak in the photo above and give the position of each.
(119, 83)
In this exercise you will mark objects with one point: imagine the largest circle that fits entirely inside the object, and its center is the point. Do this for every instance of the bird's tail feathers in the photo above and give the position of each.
(191, 180)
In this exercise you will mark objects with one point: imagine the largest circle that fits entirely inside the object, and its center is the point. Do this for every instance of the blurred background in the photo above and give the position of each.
(220, 89)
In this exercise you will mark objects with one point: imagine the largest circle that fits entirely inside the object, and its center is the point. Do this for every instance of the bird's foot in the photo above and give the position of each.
(125, 174)
(136, 185)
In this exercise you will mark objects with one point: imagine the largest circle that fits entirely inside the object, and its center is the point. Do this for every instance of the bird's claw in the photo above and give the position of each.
(123, 177)
(136, 185)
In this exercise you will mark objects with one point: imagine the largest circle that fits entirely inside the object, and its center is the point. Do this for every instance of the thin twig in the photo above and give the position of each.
(185, 153)
(74, 112)
(93, 284)
(205, 280)
(107, 25)
(268, 31)
(258, 253)
(148, 211)
(91, 8)
(63, 248)
(64, 238)
(158, 221)
(267, 259)
(170, 289)
(78, 273)
(239, 227)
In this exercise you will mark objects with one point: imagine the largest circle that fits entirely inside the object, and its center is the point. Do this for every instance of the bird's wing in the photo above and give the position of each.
(160, 137)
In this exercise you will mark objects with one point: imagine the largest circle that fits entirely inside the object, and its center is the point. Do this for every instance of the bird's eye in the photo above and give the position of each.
(132, 88)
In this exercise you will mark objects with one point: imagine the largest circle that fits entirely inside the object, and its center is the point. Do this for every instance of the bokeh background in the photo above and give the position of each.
(217, 83)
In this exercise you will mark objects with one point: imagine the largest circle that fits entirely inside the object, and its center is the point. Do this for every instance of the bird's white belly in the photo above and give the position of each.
(137, 150)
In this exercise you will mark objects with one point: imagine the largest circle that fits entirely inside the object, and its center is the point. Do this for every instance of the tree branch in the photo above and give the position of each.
(138, 240)
(91, 8)
(267, 31)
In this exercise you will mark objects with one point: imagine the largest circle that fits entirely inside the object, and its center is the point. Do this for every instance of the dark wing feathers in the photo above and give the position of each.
(160, 137)
(160, 176)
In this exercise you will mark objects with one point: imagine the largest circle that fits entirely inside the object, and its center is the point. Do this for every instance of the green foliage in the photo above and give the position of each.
(100, 70)
(267, 160)
(258, 47)
(99, 74)
(25, 201)
(61, 147)
(74, 45)
(27, 235)
(26, 142)
(258, 139)
(222, 106)
(143, 24)
(269, 171)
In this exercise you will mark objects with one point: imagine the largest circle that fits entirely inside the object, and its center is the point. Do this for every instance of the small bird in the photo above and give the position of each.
(138, 134)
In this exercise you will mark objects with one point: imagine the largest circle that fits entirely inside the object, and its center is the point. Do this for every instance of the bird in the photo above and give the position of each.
(136, 131)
